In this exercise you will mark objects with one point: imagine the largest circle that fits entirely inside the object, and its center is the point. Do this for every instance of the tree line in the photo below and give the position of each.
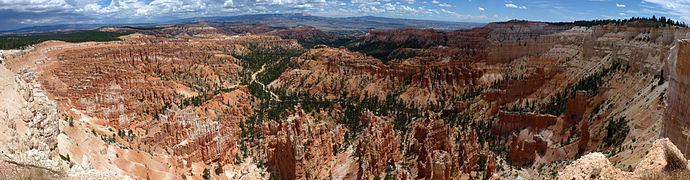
(18, 41)
(656, 22)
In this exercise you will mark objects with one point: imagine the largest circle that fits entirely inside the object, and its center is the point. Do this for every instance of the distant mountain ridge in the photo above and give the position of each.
(56, 27)
(360, 23)
(363, 23)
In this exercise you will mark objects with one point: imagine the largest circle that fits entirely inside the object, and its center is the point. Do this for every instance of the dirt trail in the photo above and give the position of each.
(263, 67)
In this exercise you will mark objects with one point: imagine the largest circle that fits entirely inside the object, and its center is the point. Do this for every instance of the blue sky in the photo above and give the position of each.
(22, 13)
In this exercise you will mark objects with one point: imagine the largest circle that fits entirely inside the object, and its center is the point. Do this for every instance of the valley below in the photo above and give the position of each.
(210, 100)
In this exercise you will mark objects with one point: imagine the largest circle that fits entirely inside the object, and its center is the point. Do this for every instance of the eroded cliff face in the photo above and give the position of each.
(677, 114)
(525, 147)
(575, 109)
(31, 128)
(379, 146)
(493, 43)
(510, 122)
(560, 85)
(337, 72)
(147, 106)
(30, 121)
(301, 148)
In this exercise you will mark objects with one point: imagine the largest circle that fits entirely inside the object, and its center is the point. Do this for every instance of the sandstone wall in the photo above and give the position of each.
(510, 122)
(677, 114)
(515, 89)
(524, 150)
(575, 108)
(333, 72)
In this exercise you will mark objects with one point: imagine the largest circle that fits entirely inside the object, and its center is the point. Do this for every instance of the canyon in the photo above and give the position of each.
(204, 100)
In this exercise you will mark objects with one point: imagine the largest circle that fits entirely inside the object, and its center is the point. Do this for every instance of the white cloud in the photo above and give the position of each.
(468, 17)
(389, 7)
(620, 5)
(36, 6)
(679, 8)
(511, 5)
(137, 9)
(407, 8)
(622, 14)
(34, 12)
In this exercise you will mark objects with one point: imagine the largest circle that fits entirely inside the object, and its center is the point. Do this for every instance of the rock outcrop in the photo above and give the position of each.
(181, 99)
(26, 106)
(583, 145)
(379, 146)
(301, 148)
(29, 128)
(432, 145)
(511, 90)
(335, 72)
(29, 120)
(664, 161)
(306, 34)
(525, 147)
(677, 114)
(575, 109)
(493, 43)
(511, 122)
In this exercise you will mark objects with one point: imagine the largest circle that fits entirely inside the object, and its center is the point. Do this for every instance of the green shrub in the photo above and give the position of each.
(65, 158)
(207, 174)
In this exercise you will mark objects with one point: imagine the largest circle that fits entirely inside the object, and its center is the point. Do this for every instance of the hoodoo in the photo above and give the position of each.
(302, 97)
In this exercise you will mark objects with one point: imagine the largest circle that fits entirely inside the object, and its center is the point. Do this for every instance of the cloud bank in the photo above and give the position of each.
(19, 13)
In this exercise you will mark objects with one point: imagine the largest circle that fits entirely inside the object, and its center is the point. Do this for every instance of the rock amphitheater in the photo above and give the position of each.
(510, 100)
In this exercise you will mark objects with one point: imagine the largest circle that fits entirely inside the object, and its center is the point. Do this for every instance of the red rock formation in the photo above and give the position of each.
(179, 93)
(431, 145)
(177, 30)
(515, 89)
(400, 38)
(493, 43)
(244, 29)
(584, 138)
(333, 72)
(510, 122)
(490, 166)
(523, 150)
(468, 152)
(677, 114)
(306, 34)
(575, 109)
(378, 146)
(515, 39)
(439, 165)
(300, 148)
(132, 82)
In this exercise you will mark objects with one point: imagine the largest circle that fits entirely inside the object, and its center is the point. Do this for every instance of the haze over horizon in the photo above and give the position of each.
(24, 13)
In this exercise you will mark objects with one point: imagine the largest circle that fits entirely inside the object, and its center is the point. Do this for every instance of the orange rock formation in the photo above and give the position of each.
(677, 114)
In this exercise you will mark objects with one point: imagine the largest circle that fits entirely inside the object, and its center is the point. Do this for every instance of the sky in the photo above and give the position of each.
(24, 13)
